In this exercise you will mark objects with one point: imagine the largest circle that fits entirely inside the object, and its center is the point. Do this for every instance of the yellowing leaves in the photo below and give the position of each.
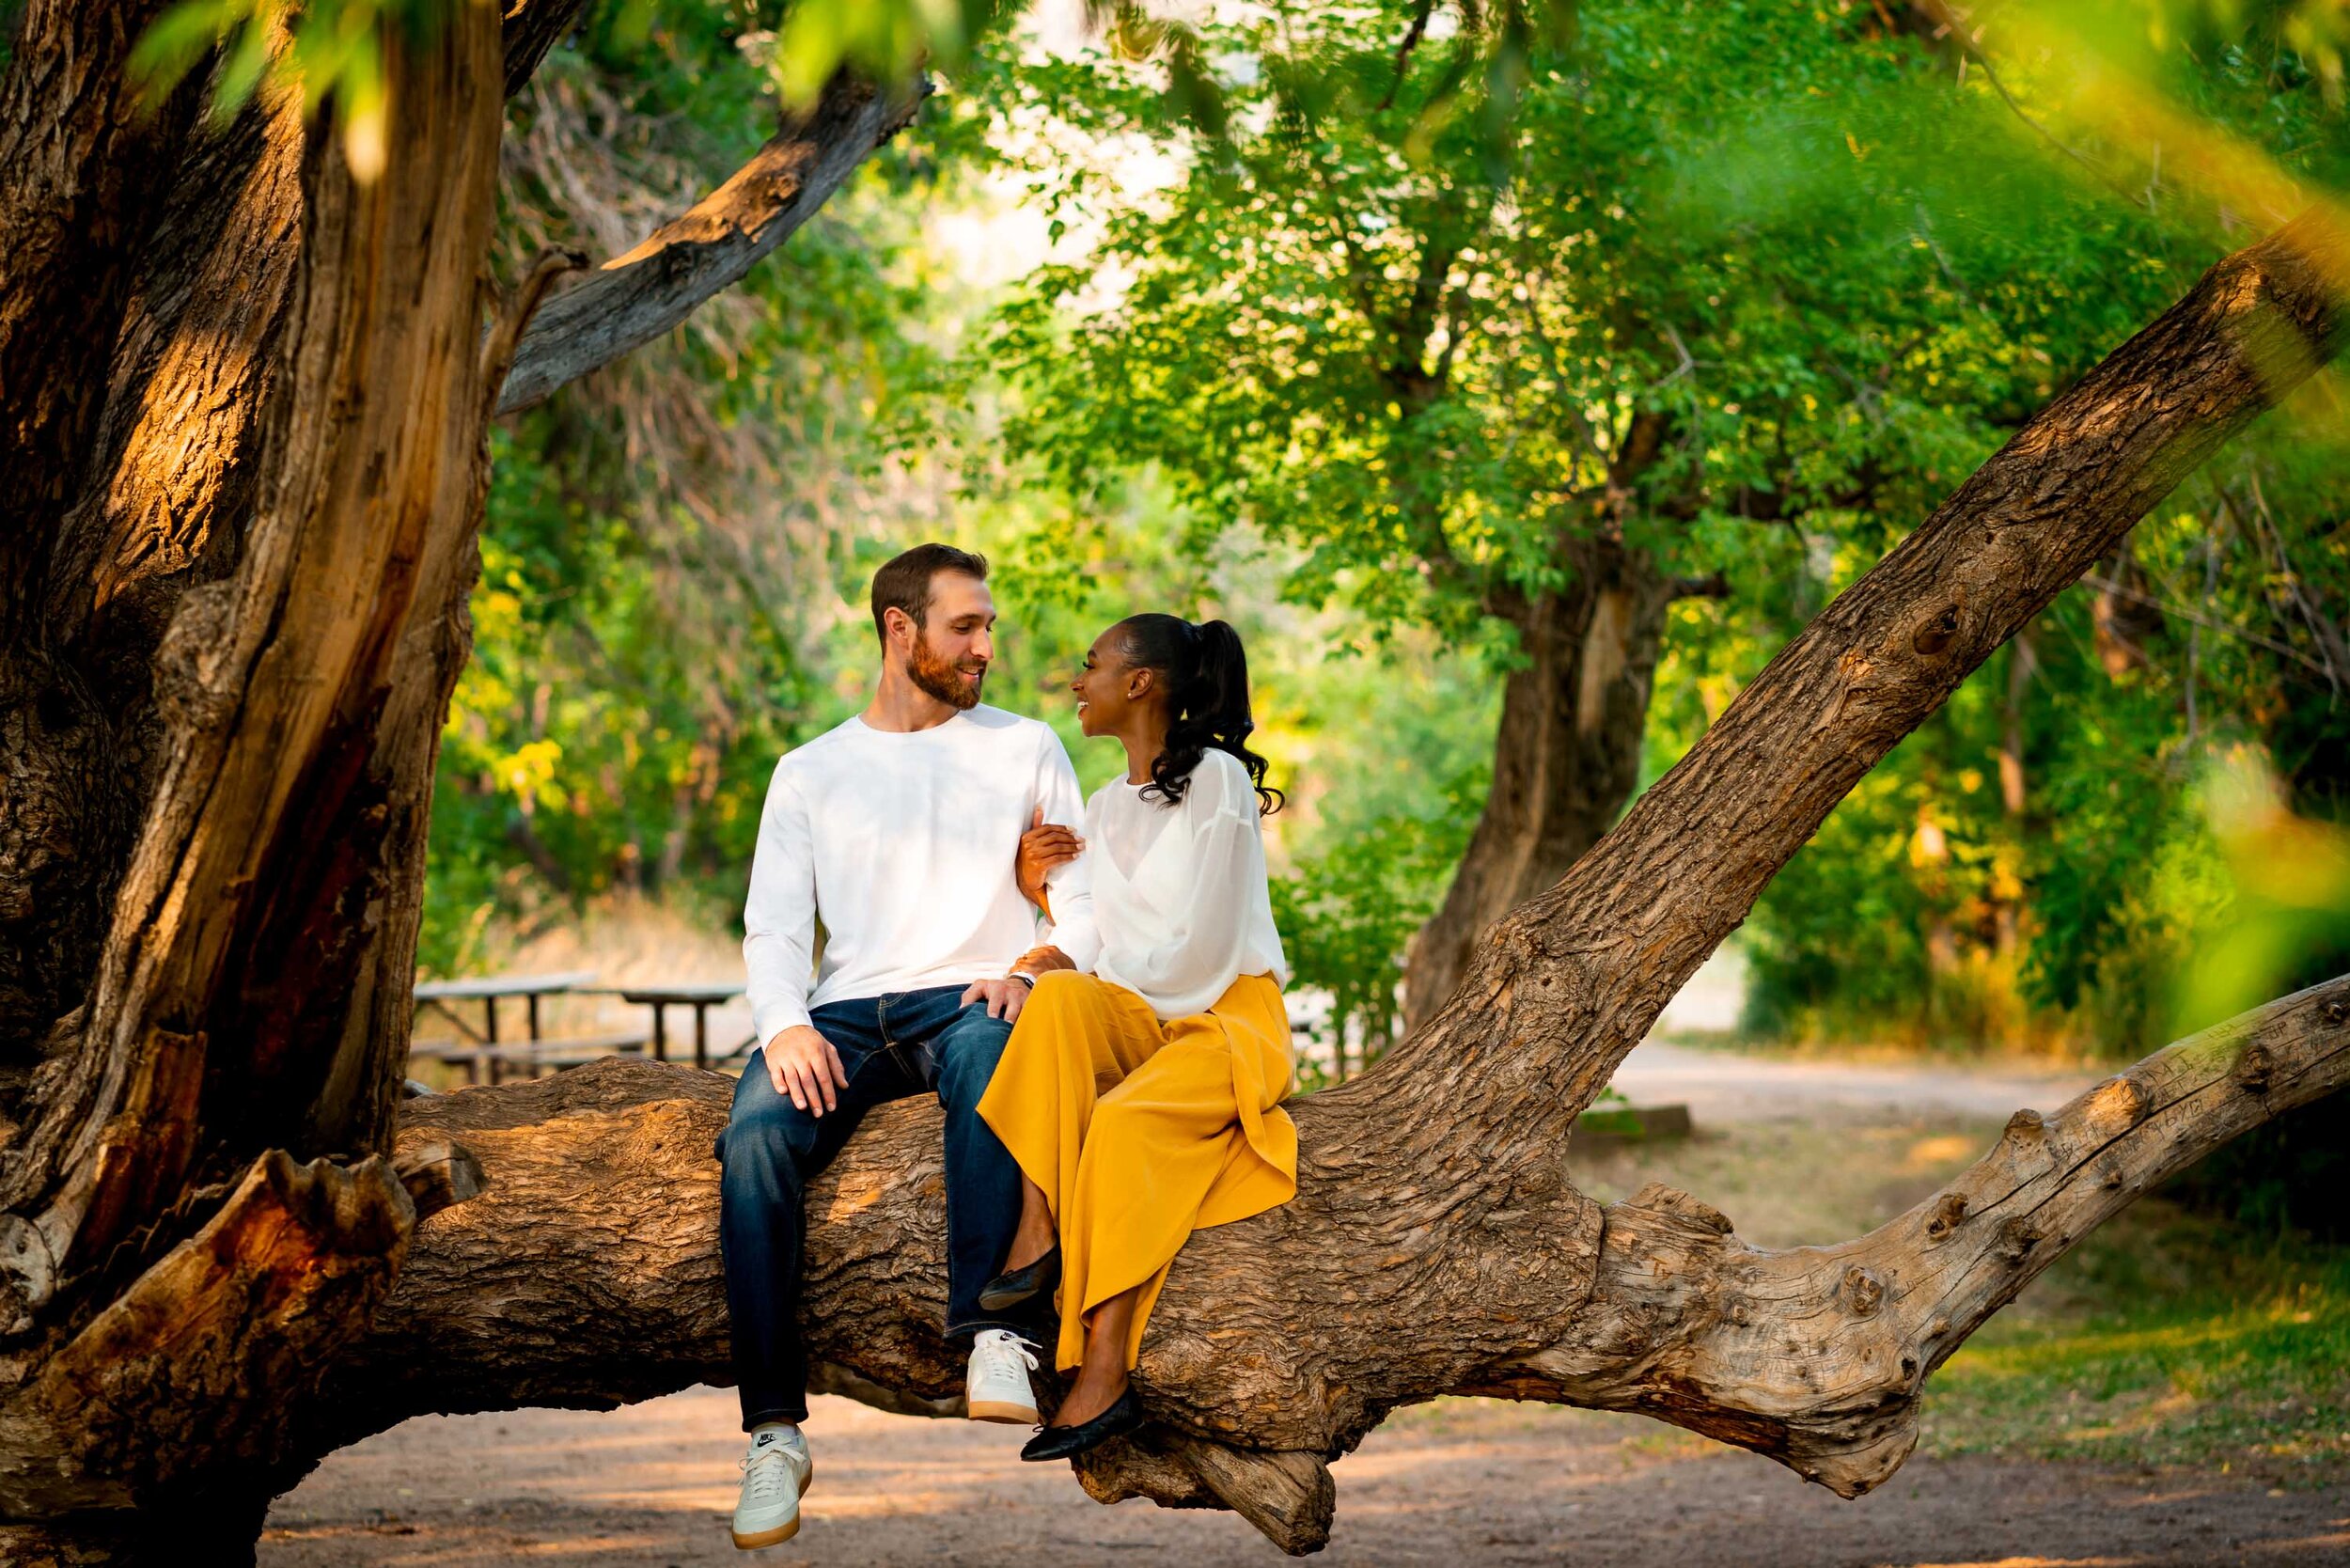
(528, 773)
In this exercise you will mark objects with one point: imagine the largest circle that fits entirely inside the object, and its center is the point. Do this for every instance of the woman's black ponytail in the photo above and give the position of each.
(1206, 675)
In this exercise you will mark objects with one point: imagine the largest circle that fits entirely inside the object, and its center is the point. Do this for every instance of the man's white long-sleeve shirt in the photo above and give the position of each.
(902, 844)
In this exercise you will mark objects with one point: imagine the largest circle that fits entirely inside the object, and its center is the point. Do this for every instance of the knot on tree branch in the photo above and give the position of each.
(515, 308)
(438, 1174)
(1933, 639)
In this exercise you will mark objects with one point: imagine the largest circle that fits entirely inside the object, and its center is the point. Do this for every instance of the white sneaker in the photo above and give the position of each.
(776, 1472)
(998, 1389)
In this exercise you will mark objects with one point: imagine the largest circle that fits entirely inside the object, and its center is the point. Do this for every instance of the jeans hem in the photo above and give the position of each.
(796, 1413)
(972, 1330)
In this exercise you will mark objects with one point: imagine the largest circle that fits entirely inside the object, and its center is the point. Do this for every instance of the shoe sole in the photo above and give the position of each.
(775, 1536)
(991, 1301)
(999, 1410)
(782, 1532)
(1110, 1437)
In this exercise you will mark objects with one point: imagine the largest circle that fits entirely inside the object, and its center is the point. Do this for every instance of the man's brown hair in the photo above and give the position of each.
(903, 583)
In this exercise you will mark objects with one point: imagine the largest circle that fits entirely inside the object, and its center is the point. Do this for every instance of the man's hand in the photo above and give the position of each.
(1045, 846)
(803, 1065)
(1005, 998)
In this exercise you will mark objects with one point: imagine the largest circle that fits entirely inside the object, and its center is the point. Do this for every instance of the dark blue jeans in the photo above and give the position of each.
(891, 1046)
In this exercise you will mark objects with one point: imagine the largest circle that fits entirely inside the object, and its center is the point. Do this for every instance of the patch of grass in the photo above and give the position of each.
(2164, 1340)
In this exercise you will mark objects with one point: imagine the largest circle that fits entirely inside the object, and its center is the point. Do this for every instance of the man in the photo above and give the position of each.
(898, 830)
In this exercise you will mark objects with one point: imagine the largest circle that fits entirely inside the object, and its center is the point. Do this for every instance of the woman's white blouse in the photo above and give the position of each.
(1178, 890)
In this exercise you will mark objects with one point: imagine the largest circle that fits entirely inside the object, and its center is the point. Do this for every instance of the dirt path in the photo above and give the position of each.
(1726, 1087)
(1464, 1482)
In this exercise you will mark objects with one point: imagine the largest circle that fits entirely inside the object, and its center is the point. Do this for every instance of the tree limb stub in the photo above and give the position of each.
(191, 1364)
(635, 298)
(1592, 962)
(588, 1274)
(515, 309)
(1288, 1495)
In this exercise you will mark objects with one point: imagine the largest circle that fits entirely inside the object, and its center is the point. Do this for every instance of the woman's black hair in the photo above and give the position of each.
(1206, 678)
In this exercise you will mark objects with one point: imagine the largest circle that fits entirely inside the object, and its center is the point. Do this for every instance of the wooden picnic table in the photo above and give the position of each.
(490, 989)
(701, 998)
(485, 1044)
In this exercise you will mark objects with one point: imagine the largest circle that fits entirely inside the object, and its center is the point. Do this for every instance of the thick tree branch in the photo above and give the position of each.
(588, 1274)
(635, 298)
(1593, 961)
(1816, 1356)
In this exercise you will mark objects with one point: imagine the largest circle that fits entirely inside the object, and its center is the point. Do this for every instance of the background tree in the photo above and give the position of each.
(1752, 285)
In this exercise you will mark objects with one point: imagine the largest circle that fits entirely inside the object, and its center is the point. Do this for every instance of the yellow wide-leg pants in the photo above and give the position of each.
(1141, 1132)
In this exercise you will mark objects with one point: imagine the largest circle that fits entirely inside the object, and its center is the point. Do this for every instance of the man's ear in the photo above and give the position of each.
(897, 629)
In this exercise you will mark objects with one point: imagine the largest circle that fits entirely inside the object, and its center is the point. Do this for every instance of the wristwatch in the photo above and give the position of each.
(1023, 975)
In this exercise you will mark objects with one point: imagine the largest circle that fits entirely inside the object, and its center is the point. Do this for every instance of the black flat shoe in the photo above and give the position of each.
(1015, 1285)
(1060, 1442)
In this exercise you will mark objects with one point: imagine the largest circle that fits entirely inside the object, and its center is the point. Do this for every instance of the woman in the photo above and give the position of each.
(1143, 1101)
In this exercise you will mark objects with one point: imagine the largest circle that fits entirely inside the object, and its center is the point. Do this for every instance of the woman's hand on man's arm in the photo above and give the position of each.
(1045, 846)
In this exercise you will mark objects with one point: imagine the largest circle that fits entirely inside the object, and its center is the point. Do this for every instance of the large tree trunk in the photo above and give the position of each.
(1566, 753)
(242, 407)
(255, 584)
(242, 401)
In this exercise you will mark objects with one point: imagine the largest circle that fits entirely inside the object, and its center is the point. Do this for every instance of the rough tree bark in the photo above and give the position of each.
(587, 1275)
(1432, 1190)
(243, 404)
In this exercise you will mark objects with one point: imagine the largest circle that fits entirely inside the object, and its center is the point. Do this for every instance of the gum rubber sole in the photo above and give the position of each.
(775, 1536)
(782, 1532)
(1007, 1414)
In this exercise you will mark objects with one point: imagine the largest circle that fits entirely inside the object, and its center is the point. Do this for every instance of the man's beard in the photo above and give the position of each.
(943, 678)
